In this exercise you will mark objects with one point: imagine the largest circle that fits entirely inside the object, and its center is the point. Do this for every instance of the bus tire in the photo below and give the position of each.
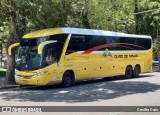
(128, 72)
(136, 71)
(68, 79)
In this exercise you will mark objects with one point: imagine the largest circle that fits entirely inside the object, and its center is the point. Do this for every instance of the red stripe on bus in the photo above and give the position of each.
(110, 45)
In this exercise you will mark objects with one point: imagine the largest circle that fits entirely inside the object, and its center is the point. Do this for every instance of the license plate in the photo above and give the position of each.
(24, 81)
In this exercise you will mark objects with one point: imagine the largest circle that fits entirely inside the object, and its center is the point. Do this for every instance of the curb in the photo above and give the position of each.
(9, 86)
(15, 86)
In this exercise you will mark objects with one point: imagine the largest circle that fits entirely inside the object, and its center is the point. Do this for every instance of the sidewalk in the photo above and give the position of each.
(3, 86)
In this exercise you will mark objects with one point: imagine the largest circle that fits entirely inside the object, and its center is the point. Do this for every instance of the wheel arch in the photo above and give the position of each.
(71, 72)
(129, 66)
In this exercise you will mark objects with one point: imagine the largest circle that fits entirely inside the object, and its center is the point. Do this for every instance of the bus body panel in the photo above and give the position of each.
(95, 64)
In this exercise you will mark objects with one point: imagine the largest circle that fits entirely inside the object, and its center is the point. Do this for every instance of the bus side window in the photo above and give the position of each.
(76, 43)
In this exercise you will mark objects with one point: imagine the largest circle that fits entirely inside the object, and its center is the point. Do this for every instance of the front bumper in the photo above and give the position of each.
(38, 81)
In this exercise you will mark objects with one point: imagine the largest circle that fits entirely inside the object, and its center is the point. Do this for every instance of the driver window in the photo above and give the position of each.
(50, 57)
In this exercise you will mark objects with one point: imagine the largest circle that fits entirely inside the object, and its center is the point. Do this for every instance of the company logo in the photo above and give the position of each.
(107, 54)
(6, 109)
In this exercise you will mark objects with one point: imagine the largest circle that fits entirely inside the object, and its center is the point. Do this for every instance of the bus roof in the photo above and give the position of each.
(80, 31)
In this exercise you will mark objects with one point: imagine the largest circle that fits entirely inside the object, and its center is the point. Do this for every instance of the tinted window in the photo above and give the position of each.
(100, 43)
(33, 41)
(94, 41)
(136, 43)
(77, 43)
(60, 38)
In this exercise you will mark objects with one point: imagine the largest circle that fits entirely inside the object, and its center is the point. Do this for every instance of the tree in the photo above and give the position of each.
(24, 16)
(150, 21)
(14, 15)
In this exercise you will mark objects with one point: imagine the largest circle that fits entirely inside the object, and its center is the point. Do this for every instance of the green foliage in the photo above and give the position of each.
(149, 22)
(22, 16)
(47, 14)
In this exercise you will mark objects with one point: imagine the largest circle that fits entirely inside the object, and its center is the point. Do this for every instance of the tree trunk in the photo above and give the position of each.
(15, 36)
(158, 47)
(10, 80)
(136, 16)
(10, 69)
(85, 18)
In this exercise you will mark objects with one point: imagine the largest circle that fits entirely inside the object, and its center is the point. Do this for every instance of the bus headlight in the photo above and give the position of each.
(16, 72)
(16, 77)
(39, 74)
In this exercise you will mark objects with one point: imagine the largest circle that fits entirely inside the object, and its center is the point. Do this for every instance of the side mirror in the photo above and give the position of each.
(41, 46)
(11, 47)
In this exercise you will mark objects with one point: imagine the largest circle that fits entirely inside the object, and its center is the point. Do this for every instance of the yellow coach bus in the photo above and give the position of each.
(67, 55)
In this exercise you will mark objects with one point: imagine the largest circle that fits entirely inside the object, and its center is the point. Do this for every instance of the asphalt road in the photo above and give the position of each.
(142, 91)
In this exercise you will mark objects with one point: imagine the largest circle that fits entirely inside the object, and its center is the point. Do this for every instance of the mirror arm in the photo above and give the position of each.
(11, 47)
(41, 46)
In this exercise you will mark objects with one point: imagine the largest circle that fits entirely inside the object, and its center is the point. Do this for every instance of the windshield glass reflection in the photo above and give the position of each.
(27, 57)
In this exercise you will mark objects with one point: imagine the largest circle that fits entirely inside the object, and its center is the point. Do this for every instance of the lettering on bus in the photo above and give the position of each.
(126, 56)
(69, 65)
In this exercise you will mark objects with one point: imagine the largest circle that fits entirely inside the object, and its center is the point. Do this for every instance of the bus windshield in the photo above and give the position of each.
(27, 57)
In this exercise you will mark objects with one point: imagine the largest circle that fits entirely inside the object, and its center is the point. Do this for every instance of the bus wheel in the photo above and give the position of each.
(67, 79)
(128, 72)
(136, 71)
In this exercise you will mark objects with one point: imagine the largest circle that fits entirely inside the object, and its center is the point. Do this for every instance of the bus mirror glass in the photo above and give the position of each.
(11, 47)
